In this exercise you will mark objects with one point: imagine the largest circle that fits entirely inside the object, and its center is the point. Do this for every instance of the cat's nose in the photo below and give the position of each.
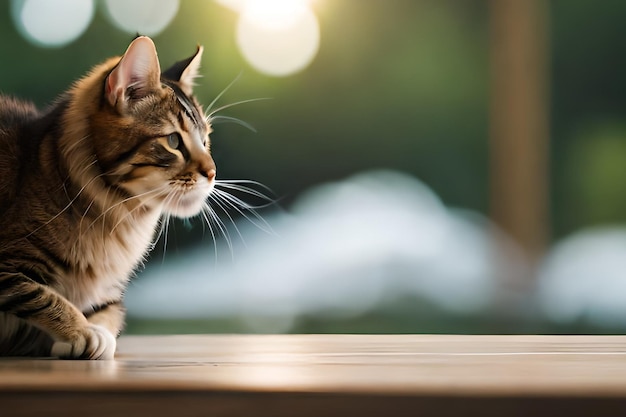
(206, 168)
(209, 174)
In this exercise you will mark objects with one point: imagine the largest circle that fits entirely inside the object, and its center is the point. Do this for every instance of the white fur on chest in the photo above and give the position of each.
(105, 261)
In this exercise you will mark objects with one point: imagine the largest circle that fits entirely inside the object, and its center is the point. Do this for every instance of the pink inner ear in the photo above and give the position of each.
(191, 72)
(112, 96)
(139, 68)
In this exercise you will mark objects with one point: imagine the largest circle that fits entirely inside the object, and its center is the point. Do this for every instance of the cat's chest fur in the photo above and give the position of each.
(104, 260)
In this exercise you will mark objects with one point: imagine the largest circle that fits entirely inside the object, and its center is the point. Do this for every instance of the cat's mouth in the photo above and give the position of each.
(187, 203)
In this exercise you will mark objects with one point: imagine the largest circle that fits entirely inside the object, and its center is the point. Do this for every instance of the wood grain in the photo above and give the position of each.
(328, 375)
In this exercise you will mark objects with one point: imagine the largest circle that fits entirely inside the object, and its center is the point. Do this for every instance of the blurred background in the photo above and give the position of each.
(421, 166)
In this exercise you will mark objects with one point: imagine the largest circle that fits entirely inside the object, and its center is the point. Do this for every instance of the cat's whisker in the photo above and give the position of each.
(166, 223)
(221, 205)
(64, 209)
(216, 99)
(115, 206)
(205, 213)
(217, 119)
(159, 233)
(157, 193)
(163, 225)
(238, 181)
(119, 203)
(236, 103)
(235, 185)
(238, 201)
(82, 218)
(69, 149)
(221, 226)
(240, 206)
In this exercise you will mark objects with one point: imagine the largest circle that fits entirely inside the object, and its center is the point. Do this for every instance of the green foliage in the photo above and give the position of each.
(597, 175)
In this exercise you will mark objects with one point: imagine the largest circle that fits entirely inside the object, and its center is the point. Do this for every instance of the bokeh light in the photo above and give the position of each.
(274, 14)
(146, 17)
(276, 37)
(52, 23)
(278, 40)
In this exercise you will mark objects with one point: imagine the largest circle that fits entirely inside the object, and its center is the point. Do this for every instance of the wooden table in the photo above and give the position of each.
(335, 375)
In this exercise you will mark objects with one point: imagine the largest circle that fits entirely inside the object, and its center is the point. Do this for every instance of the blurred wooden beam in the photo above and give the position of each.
(519, 121)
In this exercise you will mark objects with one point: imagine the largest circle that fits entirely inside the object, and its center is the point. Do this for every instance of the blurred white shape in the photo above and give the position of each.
(584, 277)
(274, 14)
(268, 11)
(52, 23)
(346, 249)
(235, 5)
(278, 37)
(145, 17)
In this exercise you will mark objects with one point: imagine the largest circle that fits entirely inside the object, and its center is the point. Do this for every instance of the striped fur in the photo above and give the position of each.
(83, 187)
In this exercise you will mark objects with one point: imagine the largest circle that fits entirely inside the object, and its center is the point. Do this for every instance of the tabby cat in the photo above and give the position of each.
(83, 188)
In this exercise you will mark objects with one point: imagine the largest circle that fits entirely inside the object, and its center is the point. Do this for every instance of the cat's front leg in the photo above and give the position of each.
(41, 306)
(110, 315)
(91, 342)
(106, 322)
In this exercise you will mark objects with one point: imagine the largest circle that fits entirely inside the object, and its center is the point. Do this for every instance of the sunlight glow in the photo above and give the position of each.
(52, 23)
(146, 17)
(278, 37)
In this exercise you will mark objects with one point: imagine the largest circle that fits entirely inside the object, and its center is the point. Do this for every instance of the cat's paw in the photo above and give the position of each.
(93, 342)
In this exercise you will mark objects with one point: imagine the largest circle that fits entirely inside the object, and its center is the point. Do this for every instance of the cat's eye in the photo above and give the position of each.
(174, 140)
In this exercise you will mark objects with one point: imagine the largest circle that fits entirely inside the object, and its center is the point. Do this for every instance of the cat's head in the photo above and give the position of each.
(153, 137)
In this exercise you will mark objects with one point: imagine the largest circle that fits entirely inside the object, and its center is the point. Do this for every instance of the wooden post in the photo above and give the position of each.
(519, 125)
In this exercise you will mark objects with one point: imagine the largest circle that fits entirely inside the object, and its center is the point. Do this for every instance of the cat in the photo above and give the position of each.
(83, 187)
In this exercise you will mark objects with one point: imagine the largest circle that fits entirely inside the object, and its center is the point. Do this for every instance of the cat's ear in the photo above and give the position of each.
(185, 71)
(137, 74)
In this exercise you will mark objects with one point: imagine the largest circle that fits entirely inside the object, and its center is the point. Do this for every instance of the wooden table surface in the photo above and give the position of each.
(316, 375)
